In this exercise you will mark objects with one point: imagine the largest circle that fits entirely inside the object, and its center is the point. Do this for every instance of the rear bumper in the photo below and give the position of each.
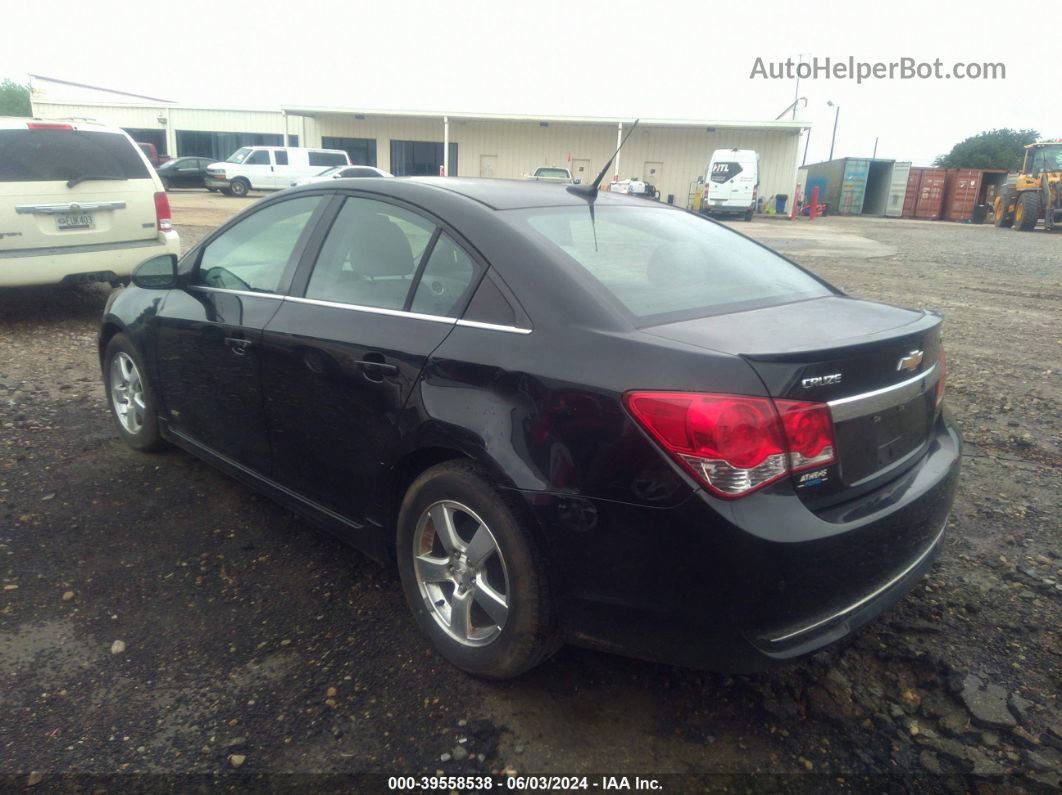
(102, 262)
(744, 585)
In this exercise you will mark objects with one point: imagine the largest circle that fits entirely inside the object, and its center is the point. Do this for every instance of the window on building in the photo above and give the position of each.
(420, 158)
(219, 145)
(157, 138)
(293, 140)
(362, 151)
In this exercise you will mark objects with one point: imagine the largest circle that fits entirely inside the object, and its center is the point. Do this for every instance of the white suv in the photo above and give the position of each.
(79, 202)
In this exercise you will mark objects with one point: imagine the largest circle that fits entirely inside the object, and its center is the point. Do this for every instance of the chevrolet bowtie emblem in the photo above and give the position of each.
(910, 361)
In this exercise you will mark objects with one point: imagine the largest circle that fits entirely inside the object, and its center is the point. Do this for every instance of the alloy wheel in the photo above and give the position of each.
(127, 393)
(460, 573)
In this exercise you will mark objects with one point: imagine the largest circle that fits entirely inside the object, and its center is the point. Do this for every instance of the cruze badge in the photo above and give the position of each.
(821, 380)
(910, 361)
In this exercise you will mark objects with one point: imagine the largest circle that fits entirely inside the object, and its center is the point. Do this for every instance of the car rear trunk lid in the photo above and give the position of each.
(875, 365)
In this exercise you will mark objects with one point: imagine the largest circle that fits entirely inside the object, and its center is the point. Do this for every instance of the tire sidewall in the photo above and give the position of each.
(528, 624)
(147, 438)
(240, 187)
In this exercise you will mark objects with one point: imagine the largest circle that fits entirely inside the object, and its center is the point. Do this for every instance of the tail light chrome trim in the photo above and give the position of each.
(848, 408)
(66, 207)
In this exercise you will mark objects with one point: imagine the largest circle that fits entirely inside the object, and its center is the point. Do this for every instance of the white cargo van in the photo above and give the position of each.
(270, 167)
(79, 202)
(732, 183)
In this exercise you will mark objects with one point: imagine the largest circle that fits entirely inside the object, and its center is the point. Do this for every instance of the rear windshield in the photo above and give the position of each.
(43, 155)
(662, 265)
(551, 172)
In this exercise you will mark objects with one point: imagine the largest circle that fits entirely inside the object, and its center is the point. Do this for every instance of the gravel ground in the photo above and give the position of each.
(156, 616)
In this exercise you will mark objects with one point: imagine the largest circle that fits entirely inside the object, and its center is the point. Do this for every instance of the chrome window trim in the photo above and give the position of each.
(250, 293)
(375, 310)
(493, 326)
(880, 399)
(59, 209)
(870, 596)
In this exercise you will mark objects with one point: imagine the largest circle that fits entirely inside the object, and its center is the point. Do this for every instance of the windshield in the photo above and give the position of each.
(663, 265)
(239, 155)
(1052, 158)
(328, 171)
(551, 172)
(44, 155)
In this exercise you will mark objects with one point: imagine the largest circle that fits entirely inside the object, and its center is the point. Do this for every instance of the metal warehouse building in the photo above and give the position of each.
(671, 154)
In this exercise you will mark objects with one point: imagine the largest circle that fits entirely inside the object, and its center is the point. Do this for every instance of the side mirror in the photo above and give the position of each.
(157, 273)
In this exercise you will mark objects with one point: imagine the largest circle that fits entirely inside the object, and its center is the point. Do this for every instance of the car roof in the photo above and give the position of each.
(24, 123)
(513, 194)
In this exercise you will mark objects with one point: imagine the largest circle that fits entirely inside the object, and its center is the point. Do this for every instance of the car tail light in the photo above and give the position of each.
(163, 219)
(45, 125)
(733, 444)
(940, 380)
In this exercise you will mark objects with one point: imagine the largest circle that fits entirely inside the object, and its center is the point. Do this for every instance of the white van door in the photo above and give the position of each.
(258, 169)
(281, 176)
(731, 183)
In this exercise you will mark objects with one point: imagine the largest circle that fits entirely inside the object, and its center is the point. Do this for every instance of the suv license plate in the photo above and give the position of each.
(82, 221)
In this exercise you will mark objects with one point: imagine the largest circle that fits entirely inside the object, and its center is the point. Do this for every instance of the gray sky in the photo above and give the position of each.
(652, 59)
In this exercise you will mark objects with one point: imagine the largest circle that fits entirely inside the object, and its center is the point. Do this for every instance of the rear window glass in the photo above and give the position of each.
(664, 265)
(43, 155)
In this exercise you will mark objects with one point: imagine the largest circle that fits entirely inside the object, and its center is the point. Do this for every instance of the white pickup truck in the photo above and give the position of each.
(553, 174)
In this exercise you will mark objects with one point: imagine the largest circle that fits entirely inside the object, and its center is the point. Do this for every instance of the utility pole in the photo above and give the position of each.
(836, 114)
(796, 93)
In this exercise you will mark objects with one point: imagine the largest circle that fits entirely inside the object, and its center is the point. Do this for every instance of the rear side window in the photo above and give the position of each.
(327, 159)
(282, 157)
(446, 279)
(370, 255)
(43, 155)
(253, 254)
(662, 265)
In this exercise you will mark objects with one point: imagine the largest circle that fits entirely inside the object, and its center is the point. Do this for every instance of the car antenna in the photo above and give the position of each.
(589, 192)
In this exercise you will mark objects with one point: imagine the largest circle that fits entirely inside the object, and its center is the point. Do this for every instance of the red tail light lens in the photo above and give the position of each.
(163, 218)
(734, 444)
(808, 431)
(940, 380)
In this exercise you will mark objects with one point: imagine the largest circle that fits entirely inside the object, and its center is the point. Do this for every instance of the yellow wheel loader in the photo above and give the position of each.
(1037, 193)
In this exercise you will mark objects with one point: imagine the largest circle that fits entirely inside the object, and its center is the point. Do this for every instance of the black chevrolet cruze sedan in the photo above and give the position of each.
(565, 417)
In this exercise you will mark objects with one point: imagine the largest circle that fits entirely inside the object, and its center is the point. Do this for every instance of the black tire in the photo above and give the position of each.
(146, 437)
(212, 190)
(1029, 203)
(748, 215)
(528, 635)
(239, 187)
(1003, 219)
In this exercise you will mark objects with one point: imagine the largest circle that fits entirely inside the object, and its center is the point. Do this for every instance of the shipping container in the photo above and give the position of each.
(854, 186)
(930, 202)
(962, 193)
(898, 178)
(910, 199)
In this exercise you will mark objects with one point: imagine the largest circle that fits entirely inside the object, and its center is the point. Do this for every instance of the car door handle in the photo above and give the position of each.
(377, 367)
(238, 345)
